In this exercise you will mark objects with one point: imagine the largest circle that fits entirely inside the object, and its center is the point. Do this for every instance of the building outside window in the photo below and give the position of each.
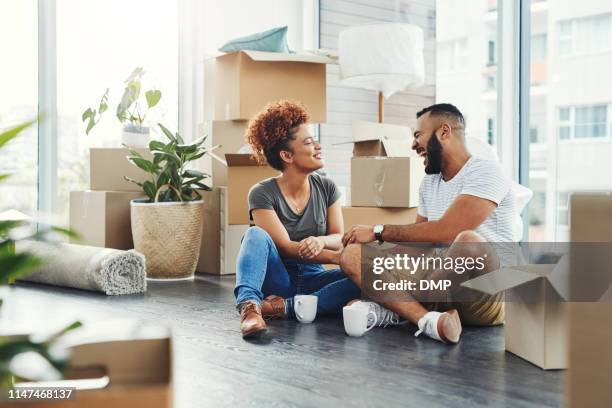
(582, 122)
(586, 34)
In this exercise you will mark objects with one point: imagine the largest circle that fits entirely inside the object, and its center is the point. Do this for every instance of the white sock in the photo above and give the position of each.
(428, 324)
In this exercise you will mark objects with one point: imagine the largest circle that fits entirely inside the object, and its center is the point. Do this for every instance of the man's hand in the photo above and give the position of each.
(310, 247)
(359, 234)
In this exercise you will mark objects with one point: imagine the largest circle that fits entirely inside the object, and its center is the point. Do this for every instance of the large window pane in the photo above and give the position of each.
(473, 88)
(18, 103)
(576, 105)
(99, 43)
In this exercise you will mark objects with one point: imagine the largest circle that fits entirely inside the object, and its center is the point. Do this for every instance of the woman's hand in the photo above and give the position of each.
(310, 247)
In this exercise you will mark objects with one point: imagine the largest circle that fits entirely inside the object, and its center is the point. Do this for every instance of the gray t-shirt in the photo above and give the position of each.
(313, 221)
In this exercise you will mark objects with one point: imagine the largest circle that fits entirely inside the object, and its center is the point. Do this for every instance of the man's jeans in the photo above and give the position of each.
(260, 272)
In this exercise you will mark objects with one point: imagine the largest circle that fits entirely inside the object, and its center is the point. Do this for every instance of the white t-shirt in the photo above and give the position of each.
(480, 178)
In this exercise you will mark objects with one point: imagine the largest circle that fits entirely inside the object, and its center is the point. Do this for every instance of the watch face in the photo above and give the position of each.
(378, 229)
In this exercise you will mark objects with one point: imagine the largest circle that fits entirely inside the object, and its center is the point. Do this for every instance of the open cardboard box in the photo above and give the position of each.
(243, 82)
(380, 139)
(385, 172)
(229, 136)
(536, 315)
(119, 364)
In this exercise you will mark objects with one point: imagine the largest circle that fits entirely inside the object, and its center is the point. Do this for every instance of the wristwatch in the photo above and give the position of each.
(378, 230)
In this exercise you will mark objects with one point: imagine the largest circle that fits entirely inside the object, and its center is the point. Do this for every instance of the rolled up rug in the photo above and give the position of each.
(110, 271)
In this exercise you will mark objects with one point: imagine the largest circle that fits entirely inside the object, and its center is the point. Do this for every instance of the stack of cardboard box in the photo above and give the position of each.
(101, 215)
(237, 86)
(385, 176)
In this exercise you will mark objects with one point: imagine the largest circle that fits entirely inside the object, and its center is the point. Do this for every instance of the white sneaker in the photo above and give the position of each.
(444, 327)
(384, 317)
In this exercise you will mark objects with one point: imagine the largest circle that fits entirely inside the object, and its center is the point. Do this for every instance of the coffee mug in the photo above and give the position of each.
(305, 307)
(356, 319)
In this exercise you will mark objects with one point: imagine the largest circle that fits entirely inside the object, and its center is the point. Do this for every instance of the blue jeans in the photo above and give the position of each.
(260, 271)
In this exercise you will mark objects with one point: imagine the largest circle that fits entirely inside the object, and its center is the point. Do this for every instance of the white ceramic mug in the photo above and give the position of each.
(305, 307)
(356, 319)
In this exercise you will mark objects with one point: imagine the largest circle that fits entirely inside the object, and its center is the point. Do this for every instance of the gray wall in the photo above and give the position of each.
(345, 105)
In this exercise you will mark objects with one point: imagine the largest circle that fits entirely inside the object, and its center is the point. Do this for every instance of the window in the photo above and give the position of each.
(490, 131)
(19, 103)
(538, 48)
(564, 124)
(590, 121)
(563, 208)
(491, 58)
(93, 55)
(583, 122)
(584, 35)
(576, 104)
(474, 89)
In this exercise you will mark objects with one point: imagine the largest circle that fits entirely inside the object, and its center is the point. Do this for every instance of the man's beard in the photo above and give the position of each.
(434, 156)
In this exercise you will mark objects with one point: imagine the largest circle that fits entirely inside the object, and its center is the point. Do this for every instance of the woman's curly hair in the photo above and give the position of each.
(271, 130)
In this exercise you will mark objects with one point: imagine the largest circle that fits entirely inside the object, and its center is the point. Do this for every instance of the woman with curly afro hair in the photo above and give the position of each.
(298, 225)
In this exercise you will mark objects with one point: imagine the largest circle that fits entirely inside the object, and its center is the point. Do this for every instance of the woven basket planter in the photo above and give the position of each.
(168, 234)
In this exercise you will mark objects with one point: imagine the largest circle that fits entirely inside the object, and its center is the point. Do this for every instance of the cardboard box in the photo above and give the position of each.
(108, 165)
(589, 378)
(536, 314)
(243, 172)
(386, 181)
(229, 135)
(135, 356)
(244, 82)
(220, 241)
(375, 215)
(381, 139)
(102, 218)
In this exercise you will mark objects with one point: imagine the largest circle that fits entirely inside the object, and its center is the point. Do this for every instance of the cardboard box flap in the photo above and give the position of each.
(237, 159)
(287, 57)
(396, 139)
(508, 278)
(500, 280)
(559, 278)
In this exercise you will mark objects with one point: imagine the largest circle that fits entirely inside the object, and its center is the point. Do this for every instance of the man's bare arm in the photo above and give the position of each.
(467, 212)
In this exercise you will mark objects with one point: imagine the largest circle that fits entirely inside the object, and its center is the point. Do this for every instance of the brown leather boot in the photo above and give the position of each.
(273, 307)
(251, 322)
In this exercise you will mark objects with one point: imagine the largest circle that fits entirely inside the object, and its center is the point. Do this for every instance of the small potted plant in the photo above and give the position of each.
(131, 111)
(167, 226)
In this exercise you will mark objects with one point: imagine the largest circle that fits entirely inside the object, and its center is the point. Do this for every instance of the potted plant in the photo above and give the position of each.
(131, 111)
(167, 226)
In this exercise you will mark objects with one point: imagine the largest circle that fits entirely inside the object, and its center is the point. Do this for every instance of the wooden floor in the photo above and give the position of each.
(306, 365)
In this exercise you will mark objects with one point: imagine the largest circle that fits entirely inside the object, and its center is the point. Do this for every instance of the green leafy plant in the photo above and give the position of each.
(93, 116)
(132, 109)
(171, 180)
(12, 266)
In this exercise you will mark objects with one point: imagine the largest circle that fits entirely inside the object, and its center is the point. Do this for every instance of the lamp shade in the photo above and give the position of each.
(384, 57)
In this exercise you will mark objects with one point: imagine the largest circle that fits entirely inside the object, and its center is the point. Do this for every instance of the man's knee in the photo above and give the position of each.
(350, 260)
(469, 236)
(469, 243)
